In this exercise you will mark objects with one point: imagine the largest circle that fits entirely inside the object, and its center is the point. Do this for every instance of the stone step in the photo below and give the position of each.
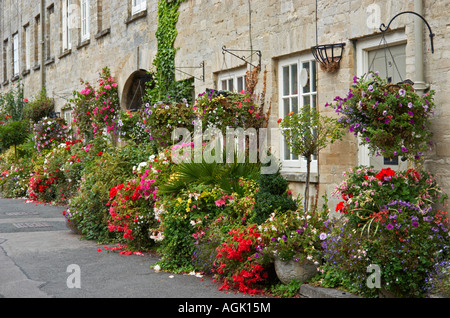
(309, 291)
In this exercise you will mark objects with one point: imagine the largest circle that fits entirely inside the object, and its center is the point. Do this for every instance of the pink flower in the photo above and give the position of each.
(107, 86)
(220, 203)
(114, 85)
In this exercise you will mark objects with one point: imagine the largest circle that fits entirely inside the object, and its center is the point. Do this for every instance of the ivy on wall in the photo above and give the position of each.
(165, 87)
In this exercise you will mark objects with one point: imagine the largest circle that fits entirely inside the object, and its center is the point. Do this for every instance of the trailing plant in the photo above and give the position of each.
(164, 87)
(392, 119)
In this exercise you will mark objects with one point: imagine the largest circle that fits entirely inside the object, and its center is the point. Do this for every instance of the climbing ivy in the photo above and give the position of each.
(164, 87)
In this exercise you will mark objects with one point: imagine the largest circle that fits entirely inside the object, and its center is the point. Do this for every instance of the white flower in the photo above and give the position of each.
(309, 257)
(157, 268)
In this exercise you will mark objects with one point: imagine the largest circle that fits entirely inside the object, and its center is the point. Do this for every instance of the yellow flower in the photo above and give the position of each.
(188, 209)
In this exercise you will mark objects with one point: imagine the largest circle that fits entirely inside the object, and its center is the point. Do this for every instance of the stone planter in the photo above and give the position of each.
(72, 227)
(290, 270)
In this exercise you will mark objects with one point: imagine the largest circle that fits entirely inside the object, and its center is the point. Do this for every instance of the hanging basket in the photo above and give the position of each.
(328, 56)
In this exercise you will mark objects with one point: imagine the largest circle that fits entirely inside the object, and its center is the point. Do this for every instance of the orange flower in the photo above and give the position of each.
(290, 113)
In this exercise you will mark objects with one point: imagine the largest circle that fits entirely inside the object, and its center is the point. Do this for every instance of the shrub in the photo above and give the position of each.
(96, 109)
(273, 195)
(41, 107)
(48, 133)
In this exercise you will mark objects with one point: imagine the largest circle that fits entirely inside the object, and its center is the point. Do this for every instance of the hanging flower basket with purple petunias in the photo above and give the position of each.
(392, 119)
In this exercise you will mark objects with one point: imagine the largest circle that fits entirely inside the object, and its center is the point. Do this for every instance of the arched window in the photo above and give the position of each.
(134, 89)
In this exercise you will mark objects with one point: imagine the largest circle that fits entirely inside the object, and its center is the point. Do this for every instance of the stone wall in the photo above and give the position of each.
(118, 40)
(279, 29)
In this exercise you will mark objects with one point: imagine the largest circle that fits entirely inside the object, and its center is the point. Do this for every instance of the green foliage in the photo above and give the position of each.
(286, 291)
(13, 134)
(307, 132)
(41, 107)
(165, 87)
(13, 102)
(107, 167)
(273, 195)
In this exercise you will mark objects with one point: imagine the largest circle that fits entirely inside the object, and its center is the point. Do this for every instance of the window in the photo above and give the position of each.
(37, 39)
(297, 90)
(27, 41)
(371, 56)
(138, 6)
(68, 116)
(233, 81)
(5, 60)
(84, 20)
(15, 51)
(65, 26)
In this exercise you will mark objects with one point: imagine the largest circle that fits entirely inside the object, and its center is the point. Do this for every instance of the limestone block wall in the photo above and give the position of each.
(118, 40)
(287, 28)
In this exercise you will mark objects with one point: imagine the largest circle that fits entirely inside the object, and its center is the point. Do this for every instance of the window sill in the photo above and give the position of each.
(14, 78)
(83, 44)
(102, 33)
(36, 67)
(49, 61)
(299, 176)
(65, 53)
(26, 72)
(5, 83)
(136, 16)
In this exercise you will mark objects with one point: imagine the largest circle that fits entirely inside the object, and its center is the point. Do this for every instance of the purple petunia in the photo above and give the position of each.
(389, 226)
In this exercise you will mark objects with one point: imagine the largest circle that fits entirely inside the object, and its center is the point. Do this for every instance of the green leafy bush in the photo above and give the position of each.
(273, 195)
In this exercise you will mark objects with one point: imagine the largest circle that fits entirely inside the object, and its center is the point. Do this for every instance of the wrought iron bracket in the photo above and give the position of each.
(202, 66)
(384, 28)
(243, 58)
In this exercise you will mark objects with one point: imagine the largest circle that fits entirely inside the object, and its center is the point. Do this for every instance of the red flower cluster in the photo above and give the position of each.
(236, 262)
(385, 174)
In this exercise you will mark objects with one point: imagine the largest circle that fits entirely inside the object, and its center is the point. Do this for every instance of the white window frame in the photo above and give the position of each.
(232, 76)
(66, 25)
(68, 116)
(15, 51)
(138, 6)
(362, 66)
(27, 36)
(295, 164)
(84, 16)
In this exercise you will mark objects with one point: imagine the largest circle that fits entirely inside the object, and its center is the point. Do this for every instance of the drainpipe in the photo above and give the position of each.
(419, 82)
(42, 44)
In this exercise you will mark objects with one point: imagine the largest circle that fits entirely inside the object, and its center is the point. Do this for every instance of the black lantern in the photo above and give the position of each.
(328, 55)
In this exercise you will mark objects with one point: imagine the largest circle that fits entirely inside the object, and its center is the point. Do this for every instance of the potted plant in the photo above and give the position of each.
(307, 132)
(293, 240)
(392, 119)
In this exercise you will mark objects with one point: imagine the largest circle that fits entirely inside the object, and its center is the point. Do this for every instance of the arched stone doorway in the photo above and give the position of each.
(134, 89)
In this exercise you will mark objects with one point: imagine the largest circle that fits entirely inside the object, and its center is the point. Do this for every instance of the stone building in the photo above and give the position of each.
(220, 40)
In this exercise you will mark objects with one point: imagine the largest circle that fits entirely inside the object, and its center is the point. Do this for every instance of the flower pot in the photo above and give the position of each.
(72, 227)
(301, 271)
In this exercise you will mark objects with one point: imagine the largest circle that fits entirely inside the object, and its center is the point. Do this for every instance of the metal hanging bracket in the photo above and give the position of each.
(243, 58)
(384, 28)
(202, 66)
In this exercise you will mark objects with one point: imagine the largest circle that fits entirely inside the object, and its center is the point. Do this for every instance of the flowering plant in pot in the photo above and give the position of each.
(389, 219)
(392, 119)
(294, 237)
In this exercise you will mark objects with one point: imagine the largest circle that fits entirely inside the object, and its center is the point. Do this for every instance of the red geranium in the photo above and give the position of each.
(385, 174)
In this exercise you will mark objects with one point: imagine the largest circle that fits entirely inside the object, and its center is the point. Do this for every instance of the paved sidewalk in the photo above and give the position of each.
(36, 250)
